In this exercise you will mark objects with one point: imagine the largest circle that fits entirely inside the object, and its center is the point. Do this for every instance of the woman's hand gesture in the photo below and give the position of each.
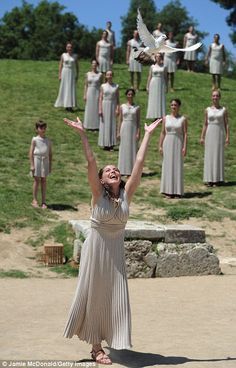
(76, 125)
(150, 128)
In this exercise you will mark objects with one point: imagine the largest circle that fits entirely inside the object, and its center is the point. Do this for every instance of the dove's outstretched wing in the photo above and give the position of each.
(144, 34)
(169, 49)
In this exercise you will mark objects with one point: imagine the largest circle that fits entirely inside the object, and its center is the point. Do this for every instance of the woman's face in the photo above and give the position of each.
(216, 38)
(130, 95)
(174, 106)
(94, 64)
(158, 58)
(109, 75)
(111, 175)
(191, 29)
(215, 96)
(69, 47)
(104, 35)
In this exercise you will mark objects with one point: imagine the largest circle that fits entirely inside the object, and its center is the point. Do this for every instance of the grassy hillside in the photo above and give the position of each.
(28, 91)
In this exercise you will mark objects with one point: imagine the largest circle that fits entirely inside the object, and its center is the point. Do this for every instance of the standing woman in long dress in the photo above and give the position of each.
(173, 148)
(108, 110)
(216, 58)
(156, 89)
(171, 61)
(68, 75)
(93, 81)
(215, 135)
(104, 53)
(100, 309)
(190, 38)
(129, 133)
(135, 68)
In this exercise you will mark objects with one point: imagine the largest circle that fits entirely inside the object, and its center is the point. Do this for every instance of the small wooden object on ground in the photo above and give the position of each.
(53, 254)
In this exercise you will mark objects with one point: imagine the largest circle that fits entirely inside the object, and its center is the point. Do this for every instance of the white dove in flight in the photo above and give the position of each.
(146, 55)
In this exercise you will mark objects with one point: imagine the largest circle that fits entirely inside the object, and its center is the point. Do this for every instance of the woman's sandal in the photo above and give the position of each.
(100, 357)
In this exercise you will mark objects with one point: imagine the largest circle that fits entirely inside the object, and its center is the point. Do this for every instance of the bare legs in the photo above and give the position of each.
(190, 65)
(171, 77)
(216, 81)
(36, 183)
(138, 80)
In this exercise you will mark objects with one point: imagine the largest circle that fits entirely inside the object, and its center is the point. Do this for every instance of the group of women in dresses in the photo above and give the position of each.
(102, 106)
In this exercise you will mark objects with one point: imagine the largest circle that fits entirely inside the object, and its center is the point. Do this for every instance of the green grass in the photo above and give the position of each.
(16, 274)
(28, 90)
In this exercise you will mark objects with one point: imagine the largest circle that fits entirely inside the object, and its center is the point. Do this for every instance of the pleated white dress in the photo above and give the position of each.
(134, 65)
(104, 56)
(157, 89)
(170, 58)
(41, 156)
(191, 39)
(214, 146)
(172, 181)
(91, 114)
(216, 59)
(107, 126)
(128, 141)
(67, 96)
(101, 308)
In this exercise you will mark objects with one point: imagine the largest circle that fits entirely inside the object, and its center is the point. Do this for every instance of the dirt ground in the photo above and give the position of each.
(187, 322)
(16, 254)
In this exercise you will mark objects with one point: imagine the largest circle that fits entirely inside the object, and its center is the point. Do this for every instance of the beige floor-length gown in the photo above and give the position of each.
(107, 126)
(214, 146)
(128, 141)
(101, 309)
(67, 96)
(157, 93)
(91, 114)
(172, 181)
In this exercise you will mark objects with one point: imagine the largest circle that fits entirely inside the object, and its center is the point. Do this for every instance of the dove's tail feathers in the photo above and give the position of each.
(144, 58)
(194, 47)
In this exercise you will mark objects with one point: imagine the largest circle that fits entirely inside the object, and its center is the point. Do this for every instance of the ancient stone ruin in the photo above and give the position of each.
(154, 250)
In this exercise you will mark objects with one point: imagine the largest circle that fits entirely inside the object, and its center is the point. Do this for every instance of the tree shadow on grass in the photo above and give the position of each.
(178, 89)
(189, 195)
(149, 174)
(61, 207)
(135, 359)
(227, 184)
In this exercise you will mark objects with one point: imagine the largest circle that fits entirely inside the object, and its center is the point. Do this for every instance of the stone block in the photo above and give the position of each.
(184, 234)
(133, 230)
(195, 261)
(144, 230)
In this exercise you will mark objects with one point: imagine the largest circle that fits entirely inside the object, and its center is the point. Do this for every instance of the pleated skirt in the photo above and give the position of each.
(101, 309)
(172, 181)
(214, 154)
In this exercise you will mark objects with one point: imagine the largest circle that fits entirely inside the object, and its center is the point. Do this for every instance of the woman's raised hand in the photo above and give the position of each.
(150, 128)
(77, 125)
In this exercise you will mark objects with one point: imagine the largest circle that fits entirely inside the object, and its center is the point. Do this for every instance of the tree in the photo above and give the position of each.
(129, 23)
(231, 19)
(41, 33)
(175, 18)
(16, 29)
